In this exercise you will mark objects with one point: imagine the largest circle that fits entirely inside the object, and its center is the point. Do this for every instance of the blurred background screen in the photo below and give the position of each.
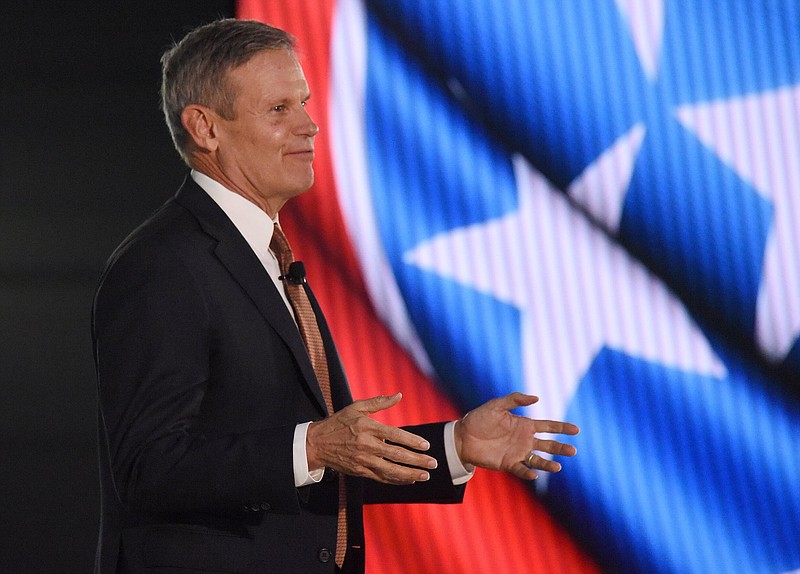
(596, 202)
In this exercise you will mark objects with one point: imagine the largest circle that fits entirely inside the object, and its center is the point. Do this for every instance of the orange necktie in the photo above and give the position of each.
(309, 330)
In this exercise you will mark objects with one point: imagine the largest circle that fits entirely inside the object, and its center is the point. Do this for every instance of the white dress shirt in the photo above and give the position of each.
(256, 228)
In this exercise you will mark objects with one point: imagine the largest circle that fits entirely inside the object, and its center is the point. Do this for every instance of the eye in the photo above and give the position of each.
(279, 108)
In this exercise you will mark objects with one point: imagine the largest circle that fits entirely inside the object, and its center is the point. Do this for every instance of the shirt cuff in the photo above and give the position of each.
(459, 472)
(303, 476)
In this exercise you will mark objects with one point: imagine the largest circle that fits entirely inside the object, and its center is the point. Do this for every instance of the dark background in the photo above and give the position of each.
(84, 157)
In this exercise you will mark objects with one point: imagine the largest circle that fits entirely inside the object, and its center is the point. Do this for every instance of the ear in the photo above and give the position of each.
(200, 123)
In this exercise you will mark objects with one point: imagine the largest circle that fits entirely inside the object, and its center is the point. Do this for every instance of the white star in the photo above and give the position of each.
(577, 292)
(646, 22)
(758, 136)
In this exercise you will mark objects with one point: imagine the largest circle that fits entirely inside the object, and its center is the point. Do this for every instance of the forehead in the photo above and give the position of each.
(269, 72)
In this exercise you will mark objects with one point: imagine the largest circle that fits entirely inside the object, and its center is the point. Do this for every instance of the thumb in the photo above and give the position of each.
(515, 400)
(376, 404)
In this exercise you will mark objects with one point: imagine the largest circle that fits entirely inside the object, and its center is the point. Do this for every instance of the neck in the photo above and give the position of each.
(212, 169)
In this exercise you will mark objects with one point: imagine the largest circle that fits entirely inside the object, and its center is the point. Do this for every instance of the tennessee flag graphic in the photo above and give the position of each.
(595, 202)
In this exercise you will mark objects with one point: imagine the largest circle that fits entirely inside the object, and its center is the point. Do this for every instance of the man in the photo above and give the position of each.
(229, 441)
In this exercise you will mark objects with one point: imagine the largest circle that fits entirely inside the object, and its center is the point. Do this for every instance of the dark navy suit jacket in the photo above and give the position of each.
(202, 377)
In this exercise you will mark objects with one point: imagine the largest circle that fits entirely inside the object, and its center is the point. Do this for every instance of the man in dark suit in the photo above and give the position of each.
(229, 441)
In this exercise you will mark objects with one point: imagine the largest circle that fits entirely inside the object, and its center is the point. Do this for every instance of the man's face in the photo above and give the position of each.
(268, 149)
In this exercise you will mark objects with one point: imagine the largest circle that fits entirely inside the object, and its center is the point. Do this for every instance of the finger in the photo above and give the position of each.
(397, 445)
(380, 476)
(403, 438)
(554, 447)
(408, 457)
(376, 404)
(515, 400)
(555, 427)
(540, 463)
(524, 472)
(392, 473)
(367, 460)
(376, 435)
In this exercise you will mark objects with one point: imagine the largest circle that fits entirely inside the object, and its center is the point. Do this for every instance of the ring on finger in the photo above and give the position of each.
(528, 461)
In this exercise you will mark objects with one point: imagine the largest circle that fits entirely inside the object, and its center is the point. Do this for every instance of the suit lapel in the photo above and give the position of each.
(238, 258)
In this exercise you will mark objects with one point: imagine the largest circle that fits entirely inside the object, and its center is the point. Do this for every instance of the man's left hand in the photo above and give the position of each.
(492, 437)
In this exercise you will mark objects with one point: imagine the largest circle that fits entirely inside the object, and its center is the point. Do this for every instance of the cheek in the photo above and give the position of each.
(269, 146)
(270, 133)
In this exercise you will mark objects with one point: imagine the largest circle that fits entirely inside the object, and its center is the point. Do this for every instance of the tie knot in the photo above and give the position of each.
(281, 248)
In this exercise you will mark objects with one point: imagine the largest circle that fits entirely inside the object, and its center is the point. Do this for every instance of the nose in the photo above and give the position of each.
(308, 127)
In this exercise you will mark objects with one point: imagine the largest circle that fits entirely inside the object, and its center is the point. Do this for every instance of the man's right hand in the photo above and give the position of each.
(351, 442)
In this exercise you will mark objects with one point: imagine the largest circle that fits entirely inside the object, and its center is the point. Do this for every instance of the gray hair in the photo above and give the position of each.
(195, 70)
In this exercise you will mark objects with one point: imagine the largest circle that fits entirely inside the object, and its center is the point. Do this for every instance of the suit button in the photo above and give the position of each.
(265, 506)
(324, 555)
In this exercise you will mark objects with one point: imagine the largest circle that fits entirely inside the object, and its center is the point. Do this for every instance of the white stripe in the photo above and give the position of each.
(348, 93)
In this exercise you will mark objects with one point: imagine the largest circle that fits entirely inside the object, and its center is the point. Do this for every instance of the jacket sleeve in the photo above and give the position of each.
(439, 489)
(152, 344)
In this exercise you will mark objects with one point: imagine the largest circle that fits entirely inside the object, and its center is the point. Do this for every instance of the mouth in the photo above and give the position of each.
(307, 154)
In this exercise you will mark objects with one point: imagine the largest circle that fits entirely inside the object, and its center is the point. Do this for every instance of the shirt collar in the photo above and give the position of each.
(251, 221)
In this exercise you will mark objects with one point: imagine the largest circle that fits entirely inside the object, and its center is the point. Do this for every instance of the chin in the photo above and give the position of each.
(306, 185)
(300, 190)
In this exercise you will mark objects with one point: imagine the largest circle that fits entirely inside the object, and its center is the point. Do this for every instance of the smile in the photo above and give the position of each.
(306, 153)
